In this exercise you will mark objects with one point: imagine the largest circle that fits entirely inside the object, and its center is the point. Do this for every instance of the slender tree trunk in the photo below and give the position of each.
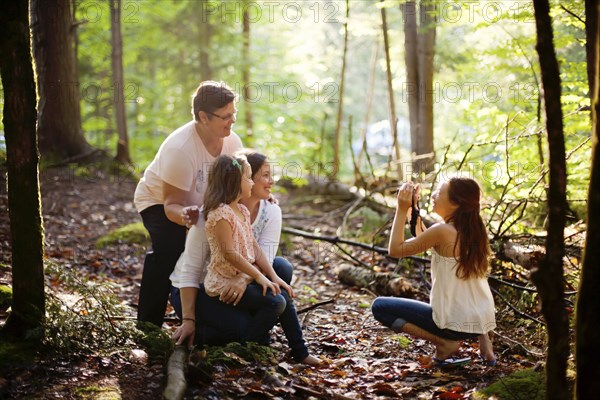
(549, 277)
(205, 37)
(369, 100)
(412, 89)
(426, 50)
(340, 112)
(587, 341)
(392, 104)
(246, 75)
(59, 116)
(119, 82)
(591, 36)
(24, 208)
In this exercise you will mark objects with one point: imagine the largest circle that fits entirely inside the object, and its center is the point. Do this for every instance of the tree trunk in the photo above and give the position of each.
(119, 82)
(369, 99)
(392, 103)
(412, 90)
(24, 207)
(205, 37)
(246, 77)
(587, 340)
(425, 157)
(340, 112)
(591, 36)
(59, 117)
(549, 277)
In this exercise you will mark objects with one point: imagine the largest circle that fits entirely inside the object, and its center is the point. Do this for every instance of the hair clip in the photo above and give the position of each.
(235, 163)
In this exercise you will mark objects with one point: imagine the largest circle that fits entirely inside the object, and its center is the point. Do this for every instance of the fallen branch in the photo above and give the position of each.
(313, 306)
(383, 283)
(176, 367)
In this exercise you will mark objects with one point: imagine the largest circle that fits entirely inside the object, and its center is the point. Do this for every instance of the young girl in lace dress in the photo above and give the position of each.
(234, 250)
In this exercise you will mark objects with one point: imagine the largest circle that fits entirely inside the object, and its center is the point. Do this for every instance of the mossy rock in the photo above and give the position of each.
(132, 233)
(98, 393)
(528, 383)
(5, 297)
(15, 351)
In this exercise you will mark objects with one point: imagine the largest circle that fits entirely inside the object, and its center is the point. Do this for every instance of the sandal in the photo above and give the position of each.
(488, 363)
(451, 362)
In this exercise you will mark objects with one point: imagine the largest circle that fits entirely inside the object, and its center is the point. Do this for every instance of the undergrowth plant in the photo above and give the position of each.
(86, 317)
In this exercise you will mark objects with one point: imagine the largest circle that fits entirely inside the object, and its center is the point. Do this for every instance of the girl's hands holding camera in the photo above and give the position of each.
(408, 194)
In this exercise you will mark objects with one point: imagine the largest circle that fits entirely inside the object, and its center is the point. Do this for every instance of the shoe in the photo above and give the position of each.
(450, 362)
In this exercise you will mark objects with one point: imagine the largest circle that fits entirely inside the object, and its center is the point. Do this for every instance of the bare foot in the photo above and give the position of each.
(311, 360)
(446, 348)
(486, 349)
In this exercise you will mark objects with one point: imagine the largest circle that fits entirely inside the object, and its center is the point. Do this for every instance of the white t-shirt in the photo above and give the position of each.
(182, 161)
(190, 269)
(462, 305)
(267, 228)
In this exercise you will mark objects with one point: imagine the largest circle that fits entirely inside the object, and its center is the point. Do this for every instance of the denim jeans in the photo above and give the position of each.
(252, 319)
(394, 312)
(168, 241)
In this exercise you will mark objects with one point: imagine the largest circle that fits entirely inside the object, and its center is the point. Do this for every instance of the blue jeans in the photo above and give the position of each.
(394, 312)
(168, 242)
(252, 319)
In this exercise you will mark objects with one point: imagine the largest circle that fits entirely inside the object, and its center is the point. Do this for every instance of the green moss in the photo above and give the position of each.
(236, 354)
(132, 233)
(15, 351)
(5, 297)
(98, 393)
(527, 383)
(156, 342)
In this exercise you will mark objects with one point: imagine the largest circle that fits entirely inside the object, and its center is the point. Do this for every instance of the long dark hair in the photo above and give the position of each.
(472, 236)
(224, 182)
(255, 159)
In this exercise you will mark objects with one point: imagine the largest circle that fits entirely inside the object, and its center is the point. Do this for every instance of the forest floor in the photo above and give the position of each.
(361, 359)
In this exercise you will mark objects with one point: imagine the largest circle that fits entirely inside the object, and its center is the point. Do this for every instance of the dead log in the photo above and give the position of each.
(383, 283)
(176, 367)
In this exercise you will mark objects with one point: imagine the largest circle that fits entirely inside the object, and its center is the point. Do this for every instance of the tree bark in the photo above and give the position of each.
(246, 77)
(59, 115)
(119, 82)
(549, 277)
(411, 90)
(591, 36)
(24, 208)
(392, 103)
(176, 366)
(340, 111)
(425, 157)
(419, 43)
(381, 283)
(587, 340)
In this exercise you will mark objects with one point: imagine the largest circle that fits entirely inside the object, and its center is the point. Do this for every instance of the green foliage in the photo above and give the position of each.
(5, 297)
(131, 233)
(527, 383)
(403, 341)
(84, 318)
